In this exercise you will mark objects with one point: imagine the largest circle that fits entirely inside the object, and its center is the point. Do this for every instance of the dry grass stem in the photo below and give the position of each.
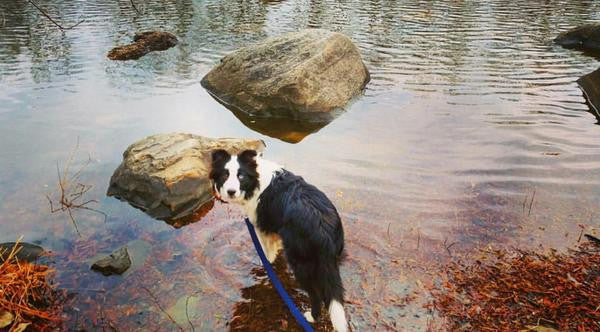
(26, 293)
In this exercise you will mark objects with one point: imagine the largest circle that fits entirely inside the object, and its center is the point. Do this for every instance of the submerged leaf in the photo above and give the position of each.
(6, 318)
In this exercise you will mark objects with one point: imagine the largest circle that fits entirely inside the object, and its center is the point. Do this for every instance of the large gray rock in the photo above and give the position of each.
(303, 74)
(585, 37)
(167, 175)
(590, 85)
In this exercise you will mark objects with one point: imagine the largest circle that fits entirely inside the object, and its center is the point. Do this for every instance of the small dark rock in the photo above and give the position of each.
(143, 43)
(585, 37)
(27, 252)
(115, 263)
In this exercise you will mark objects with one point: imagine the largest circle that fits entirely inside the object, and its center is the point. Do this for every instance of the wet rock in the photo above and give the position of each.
(167, 175)
(300, 75)
(585, 37)
(143, 43)
(27, 252)
(115, 263)
(590, 85)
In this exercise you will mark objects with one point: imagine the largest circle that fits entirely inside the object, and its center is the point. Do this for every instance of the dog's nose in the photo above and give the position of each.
(231, 192)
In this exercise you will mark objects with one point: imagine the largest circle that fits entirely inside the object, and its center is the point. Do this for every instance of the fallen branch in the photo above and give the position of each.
(53, 21)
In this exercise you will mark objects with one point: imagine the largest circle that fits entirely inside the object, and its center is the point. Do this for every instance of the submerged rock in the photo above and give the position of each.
(590, 85)
(167, 175)
(585, 37)
(115, 263)
(300, 75)
(143, 43)
(27, 252)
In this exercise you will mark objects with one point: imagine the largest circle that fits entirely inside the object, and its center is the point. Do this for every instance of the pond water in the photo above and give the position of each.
(471, 134)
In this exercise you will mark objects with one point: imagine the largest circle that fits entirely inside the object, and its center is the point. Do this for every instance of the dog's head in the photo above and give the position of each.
(235, 178)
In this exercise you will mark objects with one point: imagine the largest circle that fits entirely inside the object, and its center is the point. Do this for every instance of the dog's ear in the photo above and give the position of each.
(219, 155)
(248, 157)
(218, 160)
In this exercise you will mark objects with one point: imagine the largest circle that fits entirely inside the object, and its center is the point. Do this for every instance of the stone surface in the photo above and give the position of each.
(115, 263)
(585, 37)
(590, 85)
(143, 43)
(301, 75)
(27, 252)
(167, 175)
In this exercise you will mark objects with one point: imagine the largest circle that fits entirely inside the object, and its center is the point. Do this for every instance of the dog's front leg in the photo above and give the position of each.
(269, 244)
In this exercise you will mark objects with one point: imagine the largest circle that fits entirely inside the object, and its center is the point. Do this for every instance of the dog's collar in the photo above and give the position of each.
(218, 196)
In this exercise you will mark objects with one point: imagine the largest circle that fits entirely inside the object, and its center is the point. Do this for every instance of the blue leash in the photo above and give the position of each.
(284, 295)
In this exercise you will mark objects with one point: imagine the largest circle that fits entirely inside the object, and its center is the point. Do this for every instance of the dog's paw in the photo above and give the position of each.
(309, 317)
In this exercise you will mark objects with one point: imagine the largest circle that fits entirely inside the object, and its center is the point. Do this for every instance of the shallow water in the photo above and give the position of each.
(470, 115)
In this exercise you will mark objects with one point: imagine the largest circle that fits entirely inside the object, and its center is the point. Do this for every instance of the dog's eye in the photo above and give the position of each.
(240, 176)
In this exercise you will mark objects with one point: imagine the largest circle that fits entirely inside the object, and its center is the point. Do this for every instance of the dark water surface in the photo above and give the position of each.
(471, 113)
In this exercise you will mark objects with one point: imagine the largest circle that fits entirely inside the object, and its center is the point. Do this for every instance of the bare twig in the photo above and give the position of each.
(449, 246)
(50, 18)
(70, 194)
(531, 203)
(134, 7)
(187, 314)
(580, 233)
(418, 239)
(161, 308)
(388, 231)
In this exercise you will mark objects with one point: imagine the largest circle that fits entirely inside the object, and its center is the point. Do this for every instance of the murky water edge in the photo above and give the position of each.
(470, 111)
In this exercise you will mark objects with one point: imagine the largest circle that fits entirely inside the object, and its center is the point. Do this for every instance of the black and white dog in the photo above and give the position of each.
(291, 214)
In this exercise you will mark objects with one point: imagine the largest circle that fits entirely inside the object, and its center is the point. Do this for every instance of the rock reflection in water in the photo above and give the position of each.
(200, 213)
(286, 129)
